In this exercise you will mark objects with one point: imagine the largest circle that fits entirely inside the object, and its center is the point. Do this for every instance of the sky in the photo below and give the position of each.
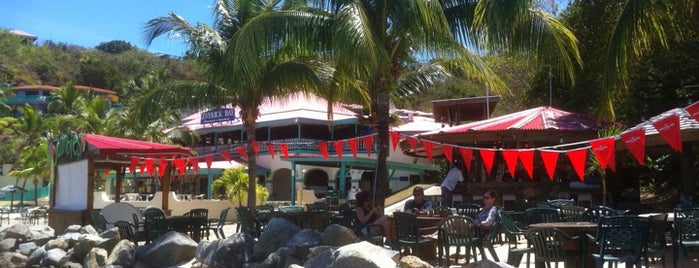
(88, 23)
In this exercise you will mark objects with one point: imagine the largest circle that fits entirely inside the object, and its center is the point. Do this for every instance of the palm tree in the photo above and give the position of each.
(375, 41)
(273, 72)
(235, 184)
(65, 99)
(639, 24)
(33, 164)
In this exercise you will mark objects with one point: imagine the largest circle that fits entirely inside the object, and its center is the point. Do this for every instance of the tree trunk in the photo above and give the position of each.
(252, 162)
(382, 184)
(36, 192)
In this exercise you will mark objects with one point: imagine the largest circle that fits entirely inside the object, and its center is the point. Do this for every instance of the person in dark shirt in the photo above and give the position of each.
(418, 205)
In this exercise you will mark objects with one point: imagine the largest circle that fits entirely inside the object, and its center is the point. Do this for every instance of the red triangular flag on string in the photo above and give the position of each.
(106, 171)
(635, 140)
(285, 150)
(368, 142)
(395, 138)
(134, 163)
(510, 157)
(669, 129)
(354, 146)
(242, 152)
(179, 164)
(209, 159)
(550, 159)
(603, 149)
(467, 155)
(323, 147)
(149, 163)
(143, 168)
(448, 152)
(577, 160)
(527, 159)
(693, 110)
(195, 164)
(338, 148)
(255, 147)
(413, 143)
(270, 149)
(162, 167)
(226, 155)
(429, 148)
(487, 156)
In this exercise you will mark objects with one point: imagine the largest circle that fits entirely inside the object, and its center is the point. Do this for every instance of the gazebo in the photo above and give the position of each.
(79, 156)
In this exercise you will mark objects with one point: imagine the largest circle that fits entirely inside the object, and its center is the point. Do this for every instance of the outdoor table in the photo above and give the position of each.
(427, 251)
(182, 224)
(576, 228)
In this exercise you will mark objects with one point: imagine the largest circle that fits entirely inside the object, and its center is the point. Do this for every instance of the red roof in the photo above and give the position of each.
(112, 145)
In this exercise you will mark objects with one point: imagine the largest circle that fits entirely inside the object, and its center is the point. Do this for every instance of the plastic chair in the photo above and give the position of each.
(456, 231)
(216, 225)
(320, 219)
(126, 231)
(524, 204)
(686, 230)
(572, 213)
(620, 239)
(317, 206)
(97, 221)
(656, 245)
(199, 218)
(557, 203)
(154, 223)
(539, 215)
(469, 210)
(549, 245)
(247, 222)
(408, 234)
(488, 237)
(593, 214)
(513, 232)
(442, 211)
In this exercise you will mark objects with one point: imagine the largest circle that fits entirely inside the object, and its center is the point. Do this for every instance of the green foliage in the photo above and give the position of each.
(234, 184)
(115, 47)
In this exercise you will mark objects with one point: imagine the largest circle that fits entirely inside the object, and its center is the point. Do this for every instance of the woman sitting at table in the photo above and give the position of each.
(366, 213)
(418, 205)
(487, 216)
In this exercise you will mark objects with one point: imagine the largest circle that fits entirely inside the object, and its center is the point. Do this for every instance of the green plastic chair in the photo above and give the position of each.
(539, 215)
(469, 210)
(126, 231)
(247, 222)
(198, 226)
(216, 224)
(686, 225)
(408, 234)
(154, 223)
(456, 231)
(549, 245)
(318, 220)
(557, 203)
(593, 214)
(656, 245)
(97, 221)
(572, 213)
(620, 239)
(513, 232)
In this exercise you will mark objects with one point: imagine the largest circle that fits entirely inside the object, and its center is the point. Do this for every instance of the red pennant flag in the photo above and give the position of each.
(510, 160)
(338, 148)
(603, 149)
(669, 128)
(488, 156)
(195, 164)
(179, 164)
(413, 143)
(527, 159)
(285, 150)
(255, 147)
(448, 152)
(143, 168)
(429, 148)
(241, 151)
(577, 160)
(106, 171)
(270, 149)
(354, 146)
(134, 163)
(226, 155)
(162, 167)
(368, 142)
(635, 140)
(209, 159)
(693, 110)
(149, 163)
(467, 155)
(550, 159)
(323, 147)
(395, 138)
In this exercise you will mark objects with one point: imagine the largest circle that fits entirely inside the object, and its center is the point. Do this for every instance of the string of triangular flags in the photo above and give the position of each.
(603, 149)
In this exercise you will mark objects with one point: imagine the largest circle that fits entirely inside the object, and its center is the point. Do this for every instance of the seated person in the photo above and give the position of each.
(418, 205)
(368, 214)
(488, 214)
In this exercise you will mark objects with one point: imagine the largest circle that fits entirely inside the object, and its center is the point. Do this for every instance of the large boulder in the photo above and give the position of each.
(338, 235)
(235, 251)
(364, 254)
(53, 257)
(321, 256)
(277, 233)
(170, 249)
(281, 258)
(302, 241)
(97, 257)
(123, 254)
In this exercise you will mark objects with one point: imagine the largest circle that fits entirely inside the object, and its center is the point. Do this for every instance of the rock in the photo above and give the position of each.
(73, 229)
(235, 251)
(338, 235)
(27, 248)
(36, 256)
(20, 232)
(73, 265)
(170, 249)
(321, 256)
(411, 261)
(53, 257)
(8, 244)
(276, 234)
(58, 242)
(97, 257)
(123, 254)
(84, 245)
(363, 254)
(12, 259)
(281, 258)
(302, 241)
(41, 234)
(88, 229)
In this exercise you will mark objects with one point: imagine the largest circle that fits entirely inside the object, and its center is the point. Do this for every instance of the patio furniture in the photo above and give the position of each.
(372, 233)
(97, 221)
(593, 214)
(551, 245)
(523, 204)
(126, 231)
(263, 214)
(539, 215)
(620, 239)
(216, 225)
(686, 232)
(154, 223)
(319, 219)
(572, 213)
(513, 232)
(317, 206)
(469, 210)
(442, 211)
(656, 244)
(456, 231)
(198, 223)
(247, 222)
(557, 203)
(488, 237)
(408, 234)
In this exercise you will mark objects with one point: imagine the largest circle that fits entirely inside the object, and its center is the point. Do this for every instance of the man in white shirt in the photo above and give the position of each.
(449, 183)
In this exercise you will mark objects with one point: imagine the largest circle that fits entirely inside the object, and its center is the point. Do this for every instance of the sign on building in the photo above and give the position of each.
(217, 115)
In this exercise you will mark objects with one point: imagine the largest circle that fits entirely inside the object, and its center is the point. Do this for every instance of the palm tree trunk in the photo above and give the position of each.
(382, 184)
(249, 127)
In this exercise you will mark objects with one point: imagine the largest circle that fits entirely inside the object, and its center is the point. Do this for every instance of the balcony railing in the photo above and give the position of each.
(295, 146)
(27, 99)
